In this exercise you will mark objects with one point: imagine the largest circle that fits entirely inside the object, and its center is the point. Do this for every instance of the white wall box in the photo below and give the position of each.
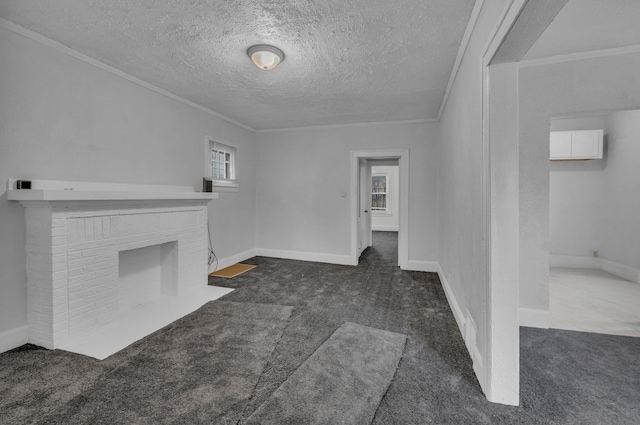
(570, 145)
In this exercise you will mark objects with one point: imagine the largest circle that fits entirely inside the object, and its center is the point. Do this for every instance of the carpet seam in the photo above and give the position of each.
(300, 365)
(406, 337)
(110, 370)
(253, 390)
(318, 348)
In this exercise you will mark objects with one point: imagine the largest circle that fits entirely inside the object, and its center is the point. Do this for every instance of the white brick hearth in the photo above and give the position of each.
(73, 246)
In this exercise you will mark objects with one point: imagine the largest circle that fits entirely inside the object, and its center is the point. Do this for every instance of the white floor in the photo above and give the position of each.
(591, 300)
(142, 320)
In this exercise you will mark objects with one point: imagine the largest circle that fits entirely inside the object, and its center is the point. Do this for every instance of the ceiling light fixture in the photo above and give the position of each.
(264, 56)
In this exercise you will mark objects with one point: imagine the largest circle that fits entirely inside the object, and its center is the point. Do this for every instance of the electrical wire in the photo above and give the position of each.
(212, 255)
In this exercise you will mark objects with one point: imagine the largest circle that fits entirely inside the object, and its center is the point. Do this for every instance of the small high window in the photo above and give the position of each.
(223, 164)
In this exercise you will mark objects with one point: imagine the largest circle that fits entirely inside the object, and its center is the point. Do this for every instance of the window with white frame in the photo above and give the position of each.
(223, 164)
(380, 194)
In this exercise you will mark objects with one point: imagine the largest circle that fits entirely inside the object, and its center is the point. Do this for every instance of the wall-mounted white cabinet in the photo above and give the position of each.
(567, 145)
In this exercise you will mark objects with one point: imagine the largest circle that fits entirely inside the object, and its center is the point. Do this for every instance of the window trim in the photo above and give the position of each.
(387, 211)
(231, 184)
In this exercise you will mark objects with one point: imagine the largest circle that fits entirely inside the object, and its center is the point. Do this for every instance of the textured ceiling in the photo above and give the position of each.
(347, 61)
(587, 25)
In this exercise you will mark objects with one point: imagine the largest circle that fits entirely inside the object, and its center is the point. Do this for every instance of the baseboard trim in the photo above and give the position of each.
(470, 342)
(533, 318)
(14, 338)
(382, 228)
(572, 261)
(465, 324)
(233, 259)
(423, 266)
(305, 256)
(626, 272)
(620, 270)
(453, 302)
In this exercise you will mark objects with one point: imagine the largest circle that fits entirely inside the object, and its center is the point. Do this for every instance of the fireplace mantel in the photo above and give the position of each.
(60, 191)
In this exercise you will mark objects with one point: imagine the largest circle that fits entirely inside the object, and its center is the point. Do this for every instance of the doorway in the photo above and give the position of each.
(378, 209)
(361, 187)
(526, 95)
(593, 231)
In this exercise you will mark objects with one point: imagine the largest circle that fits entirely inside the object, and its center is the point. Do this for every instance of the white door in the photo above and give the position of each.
(364, 206)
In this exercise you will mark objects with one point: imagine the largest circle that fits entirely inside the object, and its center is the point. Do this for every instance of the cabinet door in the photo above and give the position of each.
(586, 144)
(560, 145)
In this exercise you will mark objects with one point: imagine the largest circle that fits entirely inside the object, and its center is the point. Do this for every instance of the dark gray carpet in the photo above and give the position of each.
(200, 369)
(566, 377)
(579, 377)
(341, 383)
(34, 382)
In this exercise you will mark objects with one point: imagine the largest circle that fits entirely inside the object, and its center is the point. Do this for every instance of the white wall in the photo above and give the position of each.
(575, 192)
(621, 194)
(65, 119)
(388, 221)
(303, 174)
(461, 191)
(594, 205)
(573, 87)
(590, 122)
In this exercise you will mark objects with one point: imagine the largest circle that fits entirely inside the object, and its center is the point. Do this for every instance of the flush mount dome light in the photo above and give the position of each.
(264, 56)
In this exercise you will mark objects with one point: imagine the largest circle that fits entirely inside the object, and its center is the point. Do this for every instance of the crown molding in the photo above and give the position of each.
(462, 49)
(32, 35)
(358, 124)
(18, 29)
(592, 54)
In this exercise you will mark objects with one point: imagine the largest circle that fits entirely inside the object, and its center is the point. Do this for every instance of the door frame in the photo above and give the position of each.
(402, 155)
(364, 217)
(522, 22)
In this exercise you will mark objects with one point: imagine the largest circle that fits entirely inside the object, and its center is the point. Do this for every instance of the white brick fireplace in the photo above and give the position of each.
(75, 235)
